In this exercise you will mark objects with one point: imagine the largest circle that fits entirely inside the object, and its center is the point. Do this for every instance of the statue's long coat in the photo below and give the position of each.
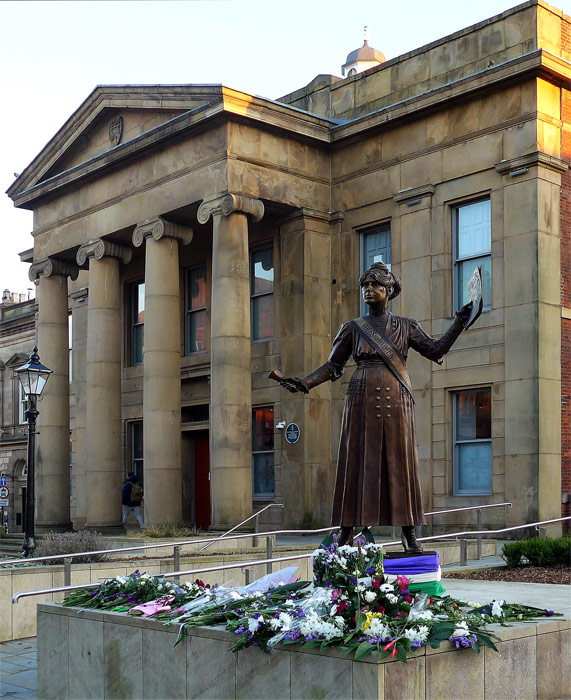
(377, 479)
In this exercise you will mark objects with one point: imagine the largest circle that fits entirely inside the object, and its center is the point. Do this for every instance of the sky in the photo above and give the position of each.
(53, 54)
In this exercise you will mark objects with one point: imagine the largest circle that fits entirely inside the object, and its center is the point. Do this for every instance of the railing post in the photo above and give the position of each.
(247, 575)
(256, 530)
(393, 532)
(67, 574)
(176, 558)
(463, 552)
(269, 553)
(479, 527)
(542, 532)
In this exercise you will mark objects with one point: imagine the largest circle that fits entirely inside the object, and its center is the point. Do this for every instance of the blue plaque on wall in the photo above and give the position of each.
(292, 433)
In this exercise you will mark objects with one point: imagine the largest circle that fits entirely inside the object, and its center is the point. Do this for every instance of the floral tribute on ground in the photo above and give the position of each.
(351, 606)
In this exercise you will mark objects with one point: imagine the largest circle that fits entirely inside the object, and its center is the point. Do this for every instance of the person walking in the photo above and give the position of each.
(131, 498)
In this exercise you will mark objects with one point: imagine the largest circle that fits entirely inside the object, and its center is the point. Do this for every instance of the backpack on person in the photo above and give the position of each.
(136, 493)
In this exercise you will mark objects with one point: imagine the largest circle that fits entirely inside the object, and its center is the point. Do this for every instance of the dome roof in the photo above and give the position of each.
(365, 53)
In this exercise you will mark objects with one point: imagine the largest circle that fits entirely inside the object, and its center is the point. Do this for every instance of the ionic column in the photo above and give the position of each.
(230, 384)
(161, 369)
(103, 382)
(53, 447)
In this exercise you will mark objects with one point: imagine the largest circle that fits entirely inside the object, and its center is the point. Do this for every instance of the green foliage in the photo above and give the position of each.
(168, 530)
(69, 542)
(538, 552)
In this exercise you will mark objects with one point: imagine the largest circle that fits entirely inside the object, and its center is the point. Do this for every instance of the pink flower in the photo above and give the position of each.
(402, 582)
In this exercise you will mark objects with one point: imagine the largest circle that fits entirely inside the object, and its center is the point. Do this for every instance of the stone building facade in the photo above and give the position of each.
(200, 236)
(17, 338)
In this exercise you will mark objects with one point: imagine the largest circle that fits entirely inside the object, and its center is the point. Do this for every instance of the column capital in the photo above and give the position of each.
(161, 228)
(226, 204)
(101, 248)
(51, 266)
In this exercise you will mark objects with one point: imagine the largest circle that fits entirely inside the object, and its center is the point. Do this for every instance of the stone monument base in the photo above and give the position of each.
(95, 654)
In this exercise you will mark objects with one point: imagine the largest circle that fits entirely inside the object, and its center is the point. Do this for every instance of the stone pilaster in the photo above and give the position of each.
(53, 446)
(103, 379)
(230, 398)
(161, 369)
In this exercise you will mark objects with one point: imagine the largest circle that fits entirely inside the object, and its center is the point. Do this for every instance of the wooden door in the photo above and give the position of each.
(201, 479)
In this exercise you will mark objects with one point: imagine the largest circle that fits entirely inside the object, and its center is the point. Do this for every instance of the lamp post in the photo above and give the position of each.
(33, 377)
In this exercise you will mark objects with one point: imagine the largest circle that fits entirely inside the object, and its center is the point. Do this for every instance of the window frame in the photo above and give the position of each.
(455, 211)
(264, 496)
(188, 311)
(132, 306)
(455, 443)
(22, 403)
(381, 227)
(136, 464)
(253, 296)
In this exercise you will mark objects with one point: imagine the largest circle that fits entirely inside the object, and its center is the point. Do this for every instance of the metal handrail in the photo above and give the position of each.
(457, 510)
(185, 543)
(254, 515)
(458, 535)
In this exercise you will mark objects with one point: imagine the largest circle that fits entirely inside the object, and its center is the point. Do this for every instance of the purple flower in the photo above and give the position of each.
(464, 641)
(549, 613)
(353, 580)
(370, 570)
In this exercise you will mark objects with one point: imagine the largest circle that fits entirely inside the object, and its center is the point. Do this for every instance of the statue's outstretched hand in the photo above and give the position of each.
(465, 312)
(294, 384)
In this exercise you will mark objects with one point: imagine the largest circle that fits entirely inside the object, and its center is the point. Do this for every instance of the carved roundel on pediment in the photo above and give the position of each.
(115, 130)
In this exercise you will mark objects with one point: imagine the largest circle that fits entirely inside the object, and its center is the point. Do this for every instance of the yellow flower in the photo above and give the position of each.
(370, 617)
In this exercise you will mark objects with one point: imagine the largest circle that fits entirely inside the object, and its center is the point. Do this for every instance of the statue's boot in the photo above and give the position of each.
(408, 539)
(345, 536)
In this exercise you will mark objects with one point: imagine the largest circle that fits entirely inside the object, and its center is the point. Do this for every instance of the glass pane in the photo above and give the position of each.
(139, 303)
(262, 272)
(263, 317)
(474, 415)
(377, 248)
(262, 429)
(263, 474)
(466, 270)
(475, 467)
(138, 343)
(197, 287)
(197, 331)
(474, 230)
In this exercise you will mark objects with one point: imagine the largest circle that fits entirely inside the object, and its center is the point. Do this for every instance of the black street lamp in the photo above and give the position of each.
(33, 377)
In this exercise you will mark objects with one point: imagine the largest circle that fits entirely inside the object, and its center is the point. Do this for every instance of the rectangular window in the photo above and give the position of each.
(195, 305)
(473, 442)
(136, 430)
(472, 248)
(70, 345)
(262, 293)
(263, 452)
(375, 247)
(137, 321)
(22, 404)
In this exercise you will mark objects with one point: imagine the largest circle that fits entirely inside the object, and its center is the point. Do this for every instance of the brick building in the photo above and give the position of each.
(200, 236)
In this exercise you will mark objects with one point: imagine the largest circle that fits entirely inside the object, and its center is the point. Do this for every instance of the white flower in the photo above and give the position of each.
(235, 595)
(377, 629)
(255, 623)
(370, 596)
(145, 576)
(275, 623)
(418, 634)
(314, 625)
(386, 588)
(361, 587)
(461, 630)
(340, 622)
(121, 579)
(160, 587)
(497, 608)
(333, 611)
(286, 621)
(257, 594)
(422, 615)
(392, 598)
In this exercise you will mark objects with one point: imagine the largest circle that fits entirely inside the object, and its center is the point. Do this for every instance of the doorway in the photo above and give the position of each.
(196, 479)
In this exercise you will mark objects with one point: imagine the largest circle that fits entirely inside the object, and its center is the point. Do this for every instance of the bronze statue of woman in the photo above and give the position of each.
(377, 479)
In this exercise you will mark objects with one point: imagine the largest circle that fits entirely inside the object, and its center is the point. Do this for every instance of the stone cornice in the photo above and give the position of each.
(158, 228)
(530, 160)
(412, 195)
(226, 204)
(51, 266)
(103, 248)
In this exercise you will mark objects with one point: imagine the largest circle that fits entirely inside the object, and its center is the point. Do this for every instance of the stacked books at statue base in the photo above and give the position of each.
(422, 569)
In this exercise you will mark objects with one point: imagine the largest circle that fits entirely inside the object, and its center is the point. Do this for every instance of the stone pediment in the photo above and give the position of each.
(17, 360)
(109, 117)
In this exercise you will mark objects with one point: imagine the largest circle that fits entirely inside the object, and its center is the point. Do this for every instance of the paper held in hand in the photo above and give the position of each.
(475, 296)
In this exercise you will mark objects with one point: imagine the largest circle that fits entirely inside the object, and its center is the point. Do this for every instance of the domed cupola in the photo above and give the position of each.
(363, 58)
